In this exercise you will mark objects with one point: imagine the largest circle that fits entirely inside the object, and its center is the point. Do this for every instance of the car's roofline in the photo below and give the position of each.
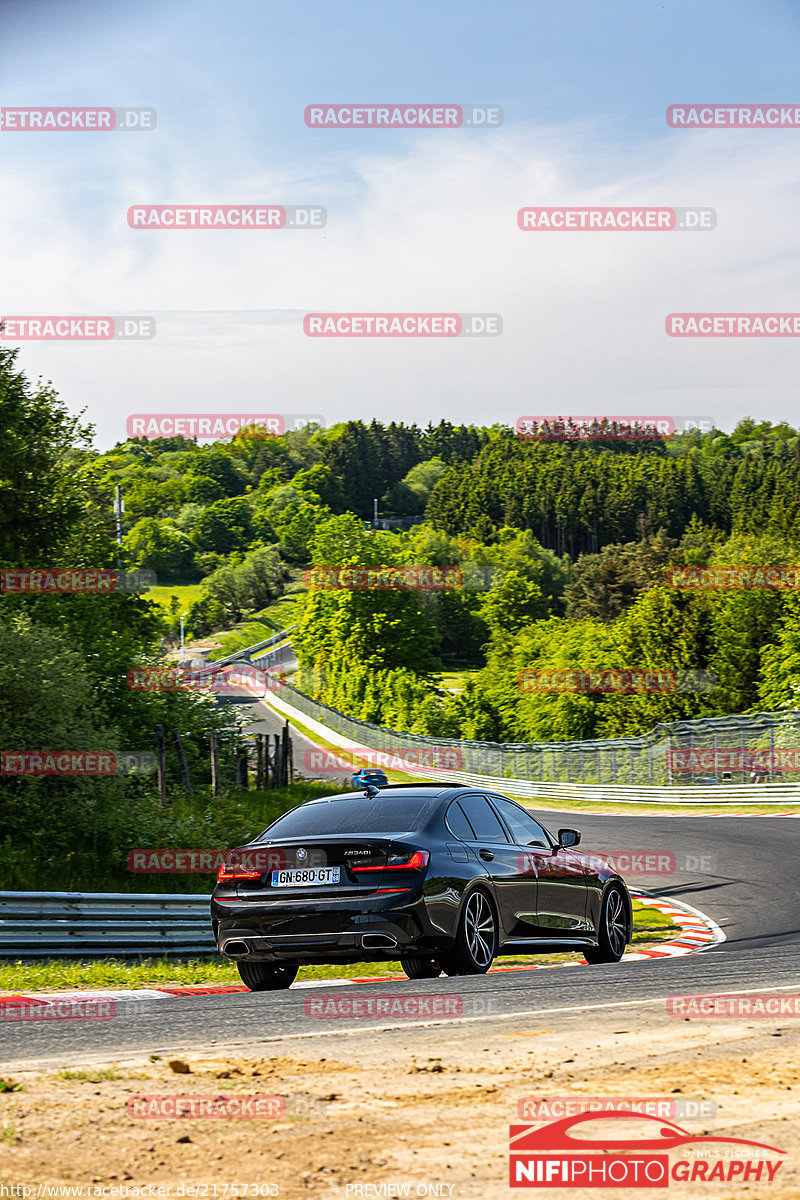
(407, 788)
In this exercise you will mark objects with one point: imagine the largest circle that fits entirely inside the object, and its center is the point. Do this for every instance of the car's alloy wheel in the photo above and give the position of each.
(266, 977)
(421, 968)
(612, 936)
(476, 941)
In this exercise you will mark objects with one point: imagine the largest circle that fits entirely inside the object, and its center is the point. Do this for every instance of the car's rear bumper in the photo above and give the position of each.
(319, 931)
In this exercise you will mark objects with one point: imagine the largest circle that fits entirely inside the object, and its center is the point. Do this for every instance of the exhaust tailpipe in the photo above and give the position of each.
(235, 948)
(378, 941)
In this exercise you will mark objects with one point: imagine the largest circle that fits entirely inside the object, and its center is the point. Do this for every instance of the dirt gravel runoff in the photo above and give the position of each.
(422, 1111)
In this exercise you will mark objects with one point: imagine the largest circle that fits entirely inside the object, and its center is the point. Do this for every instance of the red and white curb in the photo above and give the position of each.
(698, 932)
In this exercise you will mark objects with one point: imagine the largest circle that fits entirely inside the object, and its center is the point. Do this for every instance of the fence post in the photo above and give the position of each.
(161, 757)
(214, 764)
(187, 779)
(243, 778)
(276, 761)
(260, 772)
(285, 743)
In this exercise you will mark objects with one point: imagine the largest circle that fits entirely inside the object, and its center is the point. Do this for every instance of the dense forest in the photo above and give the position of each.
(562, 549)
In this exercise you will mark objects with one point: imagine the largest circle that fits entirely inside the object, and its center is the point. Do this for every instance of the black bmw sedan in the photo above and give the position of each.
(442, 877)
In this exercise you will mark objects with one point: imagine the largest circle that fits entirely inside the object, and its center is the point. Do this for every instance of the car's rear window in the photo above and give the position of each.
(383, 814)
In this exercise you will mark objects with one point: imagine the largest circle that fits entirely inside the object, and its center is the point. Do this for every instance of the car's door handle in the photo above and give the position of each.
(486, 855)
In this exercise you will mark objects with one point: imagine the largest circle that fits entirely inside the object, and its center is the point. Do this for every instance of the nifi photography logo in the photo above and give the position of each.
(632, 1150)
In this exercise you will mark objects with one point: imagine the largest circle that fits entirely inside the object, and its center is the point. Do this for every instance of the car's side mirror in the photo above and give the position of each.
(568, 837)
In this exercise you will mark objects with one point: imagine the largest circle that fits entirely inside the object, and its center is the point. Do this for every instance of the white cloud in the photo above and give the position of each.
(420, 225)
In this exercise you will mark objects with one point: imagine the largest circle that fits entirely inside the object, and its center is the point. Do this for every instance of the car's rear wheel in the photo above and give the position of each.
(612, 934)
(418, 967)
(266, 977)
(476, 940)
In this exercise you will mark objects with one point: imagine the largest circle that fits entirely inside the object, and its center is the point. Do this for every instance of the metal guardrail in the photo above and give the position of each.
(103, 924)
(401, 758)
(677, 757)
(282, 655)
(248, 651)
(775, 795)
(728, 745)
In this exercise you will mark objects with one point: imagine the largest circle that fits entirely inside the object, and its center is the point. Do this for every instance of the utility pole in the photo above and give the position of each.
(119, 509)
(375, 511)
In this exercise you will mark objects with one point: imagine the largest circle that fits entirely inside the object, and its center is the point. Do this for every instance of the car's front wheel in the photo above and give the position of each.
(612, 934)
(266, 977)
(418, 967)
(476, 939)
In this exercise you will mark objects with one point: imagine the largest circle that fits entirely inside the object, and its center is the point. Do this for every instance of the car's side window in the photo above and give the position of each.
(483, 819)
(524, 830)
(458, 823)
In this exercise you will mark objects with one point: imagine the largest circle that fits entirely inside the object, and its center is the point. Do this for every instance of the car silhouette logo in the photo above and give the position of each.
(302, 854)
(558, 1135)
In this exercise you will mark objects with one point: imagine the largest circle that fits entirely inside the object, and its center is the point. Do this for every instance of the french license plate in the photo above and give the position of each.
(306, 877)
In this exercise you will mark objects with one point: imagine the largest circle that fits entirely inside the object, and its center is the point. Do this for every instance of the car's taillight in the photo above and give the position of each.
(417, 861)
(227, 874)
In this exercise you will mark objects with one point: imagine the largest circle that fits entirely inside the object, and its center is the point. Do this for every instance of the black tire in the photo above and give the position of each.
(476, 939)
(421, 968)
(612, 936)
(267, 977)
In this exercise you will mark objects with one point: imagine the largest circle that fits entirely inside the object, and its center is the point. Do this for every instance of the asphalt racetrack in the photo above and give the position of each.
(742, 872)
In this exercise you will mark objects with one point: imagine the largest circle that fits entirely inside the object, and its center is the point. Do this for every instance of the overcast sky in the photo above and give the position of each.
(417, 221)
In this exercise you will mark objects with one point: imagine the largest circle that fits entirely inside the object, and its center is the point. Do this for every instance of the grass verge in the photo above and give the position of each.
(650, 926)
